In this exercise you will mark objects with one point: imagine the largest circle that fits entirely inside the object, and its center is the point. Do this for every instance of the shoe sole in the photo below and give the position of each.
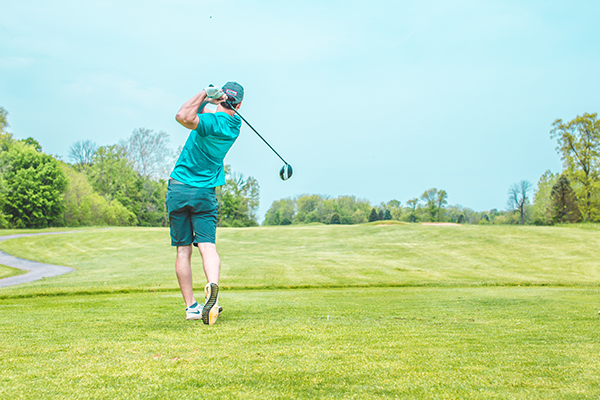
(194, 317)
(210, 313)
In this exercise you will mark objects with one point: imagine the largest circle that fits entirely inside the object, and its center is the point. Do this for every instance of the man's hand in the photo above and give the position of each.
(215, 95)
(213, 92)
(218, 100)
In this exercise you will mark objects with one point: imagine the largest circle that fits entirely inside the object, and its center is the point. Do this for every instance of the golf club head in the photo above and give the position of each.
(286, 172)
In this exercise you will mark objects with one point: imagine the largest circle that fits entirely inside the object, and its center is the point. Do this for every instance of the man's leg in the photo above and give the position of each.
(183, 268)
(211, 261)
(212, 268)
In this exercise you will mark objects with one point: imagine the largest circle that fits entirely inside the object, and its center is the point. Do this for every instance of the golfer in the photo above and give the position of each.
(191, 194)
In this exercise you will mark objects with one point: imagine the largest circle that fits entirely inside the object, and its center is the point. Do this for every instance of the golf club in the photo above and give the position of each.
(286, 171)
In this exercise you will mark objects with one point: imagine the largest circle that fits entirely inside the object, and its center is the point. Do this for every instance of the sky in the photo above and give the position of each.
(380, 100)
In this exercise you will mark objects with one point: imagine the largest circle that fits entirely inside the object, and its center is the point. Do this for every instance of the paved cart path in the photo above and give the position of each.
(36, 270)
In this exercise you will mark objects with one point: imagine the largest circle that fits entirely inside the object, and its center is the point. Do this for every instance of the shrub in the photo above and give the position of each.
(35, 183)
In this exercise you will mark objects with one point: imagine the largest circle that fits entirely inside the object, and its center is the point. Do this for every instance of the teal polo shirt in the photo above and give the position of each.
(200, 163)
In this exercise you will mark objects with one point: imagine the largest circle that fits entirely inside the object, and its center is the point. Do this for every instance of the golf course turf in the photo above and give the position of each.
(365, 312)
(7, 272)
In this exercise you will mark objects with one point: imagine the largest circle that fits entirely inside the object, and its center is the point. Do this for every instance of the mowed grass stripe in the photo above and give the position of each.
(416, 343)
(128, 259)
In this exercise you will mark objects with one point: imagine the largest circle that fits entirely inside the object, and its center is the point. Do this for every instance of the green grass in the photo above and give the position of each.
(7, 272)
(357, 312)
(322, 256)
(421, 343)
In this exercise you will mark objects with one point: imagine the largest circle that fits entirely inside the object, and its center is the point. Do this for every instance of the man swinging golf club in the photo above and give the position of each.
(191, 195)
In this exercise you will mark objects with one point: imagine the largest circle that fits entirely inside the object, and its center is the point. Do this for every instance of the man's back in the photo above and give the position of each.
(200, 163)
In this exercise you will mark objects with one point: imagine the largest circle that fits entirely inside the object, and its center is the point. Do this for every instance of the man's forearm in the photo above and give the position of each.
(187, 114)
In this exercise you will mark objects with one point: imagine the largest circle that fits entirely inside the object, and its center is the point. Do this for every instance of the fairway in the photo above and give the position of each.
(364, 312)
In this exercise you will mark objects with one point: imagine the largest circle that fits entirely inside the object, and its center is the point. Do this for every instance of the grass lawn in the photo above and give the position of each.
(322, 256)
(364, 312)
(7, 272)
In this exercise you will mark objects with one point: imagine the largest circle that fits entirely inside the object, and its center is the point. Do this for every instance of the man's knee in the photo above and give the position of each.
(184, 251)
(207, 248)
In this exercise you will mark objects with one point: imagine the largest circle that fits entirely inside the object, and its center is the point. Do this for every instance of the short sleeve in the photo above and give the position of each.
(207, 124)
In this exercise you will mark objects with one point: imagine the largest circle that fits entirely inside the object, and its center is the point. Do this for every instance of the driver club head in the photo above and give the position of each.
(286, 172)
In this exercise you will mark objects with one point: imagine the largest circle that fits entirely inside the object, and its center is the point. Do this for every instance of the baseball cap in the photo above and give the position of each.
(234, 92)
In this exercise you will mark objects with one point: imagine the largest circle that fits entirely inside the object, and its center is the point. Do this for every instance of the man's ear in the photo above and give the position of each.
(238, 105)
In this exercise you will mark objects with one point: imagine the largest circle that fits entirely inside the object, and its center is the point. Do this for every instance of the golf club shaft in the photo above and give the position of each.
(255, 131)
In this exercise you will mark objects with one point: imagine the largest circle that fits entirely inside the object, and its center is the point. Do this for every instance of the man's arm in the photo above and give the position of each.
(187, 114)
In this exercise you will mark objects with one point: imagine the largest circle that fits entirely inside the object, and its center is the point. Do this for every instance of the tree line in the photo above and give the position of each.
(573, 195)
(125, 184)
(431, 206)
(122, 184)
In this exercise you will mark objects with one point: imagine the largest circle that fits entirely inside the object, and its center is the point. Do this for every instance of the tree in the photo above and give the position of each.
(346, 206)
(374, 216)
(457, 214)
(579, 146)
(238, 200)
(307, 206)
(517, 198)
(150, 205)
(387, 215)
(33, 143)
(6, 141)
(564, 207)
(307, 203)
(150, 153)
(335, 219)
(412, 204)
(358, 217)
(393, 203)
(380, 215)
(434, 202)
(3, 120)
(82, 152)
(279, 211)
(328, 207)
(441, 201)
(83, 207)
(113, 177)
(35, 183)
(541, 200)
(395, 209)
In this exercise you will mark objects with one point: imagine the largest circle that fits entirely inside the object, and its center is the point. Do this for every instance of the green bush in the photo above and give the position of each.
(84, 207)
(35, 183)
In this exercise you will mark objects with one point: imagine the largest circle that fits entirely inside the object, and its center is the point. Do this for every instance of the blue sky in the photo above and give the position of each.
(379, 99)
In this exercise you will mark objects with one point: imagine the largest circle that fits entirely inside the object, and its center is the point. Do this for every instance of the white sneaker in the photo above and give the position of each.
(194, 311)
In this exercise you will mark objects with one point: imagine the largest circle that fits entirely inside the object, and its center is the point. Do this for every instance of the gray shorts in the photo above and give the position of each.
(193, 214)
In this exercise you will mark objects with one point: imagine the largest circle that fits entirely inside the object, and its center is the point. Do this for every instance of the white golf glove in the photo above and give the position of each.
(213, 92)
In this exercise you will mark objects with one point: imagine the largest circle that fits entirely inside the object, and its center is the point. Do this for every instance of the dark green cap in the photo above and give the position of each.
(234, 92)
